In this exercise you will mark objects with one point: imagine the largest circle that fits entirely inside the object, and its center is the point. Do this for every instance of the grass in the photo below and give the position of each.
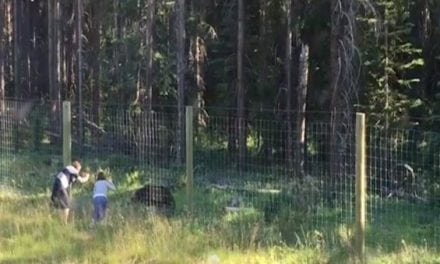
(290, 232)
(31, 233)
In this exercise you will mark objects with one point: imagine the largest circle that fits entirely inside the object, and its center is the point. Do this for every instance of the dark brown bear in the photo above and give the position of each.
(156, 196)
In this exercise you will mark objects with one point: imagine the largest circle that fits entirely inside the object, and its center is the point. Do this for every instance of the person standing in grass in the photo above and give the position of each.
(102, 185)
(61, 198)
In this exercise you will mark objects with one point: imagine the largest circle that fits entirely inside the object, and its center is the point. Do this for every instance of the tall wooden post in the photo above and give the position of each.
(189, 156)
(360, 187)
(67, 136)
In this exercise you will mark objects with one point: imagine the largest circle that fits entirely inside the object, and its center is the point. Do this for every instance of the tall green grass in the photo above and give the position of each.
(32, 232)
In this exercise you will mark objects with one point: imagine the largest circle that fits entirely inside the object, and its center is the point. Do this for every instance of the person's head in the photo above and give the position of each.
(100, 176)
(76, 164)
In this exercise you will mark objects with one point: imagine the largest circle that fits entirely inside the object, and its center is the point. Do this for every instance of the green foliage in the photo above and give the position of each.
(392, 60)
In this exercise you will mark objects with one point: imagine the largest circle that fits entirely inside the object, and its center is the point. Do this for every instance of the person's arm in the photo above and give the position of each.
(74, 174)
(110, 185)
(83, 177)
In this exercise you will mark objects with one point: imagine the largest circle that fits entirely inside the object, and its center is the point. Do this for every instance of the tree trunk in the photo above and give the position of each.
(288, 73)
(53, 63)
(335, 73)
(2, 54)
(25, 58)
(262, 48)
(9, 43)
(240, 87)
(149, 43)
(117, 38)
(302, 106)
(79, 75)
(428, 85)
(95, 40)
(198, 53)
(53, 42)
(16, 37)
(181, 69)
(41, 66)
(344, 87)
(34, 48)
(199, 56)
(68, 57)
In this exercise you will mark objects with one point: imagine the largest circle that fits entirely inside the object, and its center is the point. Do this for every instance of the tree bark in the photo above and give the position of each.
(53, 63)
(79, 75)
(9, 43)
(240, 87)
(335, 73)
(2, 54)
(344, 87)
(41, 55)
(34, 48)
(52, 12)
(288, 73)
(427, 42)
(149, 44)
(302, 106)
(68, 54)
(181, 70)
(199, 54)
(262, 50)
(95, 40)
(116, 49)
(25, 60)
(16, 37)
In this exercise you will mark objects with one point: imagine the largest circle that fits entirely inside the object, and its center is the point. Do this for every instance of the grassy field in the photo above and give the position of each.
(31, 231)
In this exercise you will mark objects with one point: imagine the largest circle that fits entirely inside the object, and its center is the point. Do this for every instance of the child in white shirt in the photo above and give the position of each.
(102, 185)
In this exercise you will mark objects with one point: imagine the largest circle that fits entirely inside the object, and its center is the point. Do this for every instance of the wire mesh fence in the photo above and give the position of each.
(139, 146)
(298, 182)
(296, 190)
(403, 186)
(29, 129)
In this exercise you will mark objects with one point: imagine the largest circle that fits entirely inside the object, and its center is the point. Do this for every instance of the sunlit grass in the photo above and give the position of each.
(31, 231)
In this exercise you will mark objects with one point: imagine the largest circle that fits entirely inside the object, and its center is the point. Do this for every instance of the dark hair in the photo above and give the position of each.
(100, 176)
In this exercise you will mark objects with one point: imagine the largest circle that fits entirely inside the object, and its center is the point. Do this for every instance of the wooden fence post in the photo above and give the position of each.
(360, 187)
(189, 156)
(67, 136)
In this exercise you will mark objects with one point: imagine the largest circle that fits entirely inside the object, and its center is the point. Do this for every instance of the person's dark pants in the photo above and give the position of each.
(60, 197)
(100, 205)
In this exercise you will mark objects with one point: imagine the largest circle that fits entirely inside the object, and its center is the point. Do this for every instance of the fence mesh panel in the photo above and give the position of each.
(315, 199)
(403, 204)
(29, 130)
(298, 186)
(138, 146)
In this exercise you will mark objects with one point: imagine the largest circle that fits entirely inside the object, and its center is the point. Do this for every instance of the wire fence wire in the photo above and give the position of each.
(403, 169)
(299, 195)
(30, 129)
(298, 183)
(139, 146)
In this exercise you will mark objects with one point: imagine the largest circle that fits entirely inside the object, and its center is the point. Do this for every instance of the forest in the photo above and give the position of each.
(277, 57)
(295, 61)
(297, 55)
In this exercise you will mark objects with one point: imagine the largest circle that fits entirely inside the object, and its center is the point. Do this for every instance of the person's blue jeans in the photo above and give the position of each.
(100, 205)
